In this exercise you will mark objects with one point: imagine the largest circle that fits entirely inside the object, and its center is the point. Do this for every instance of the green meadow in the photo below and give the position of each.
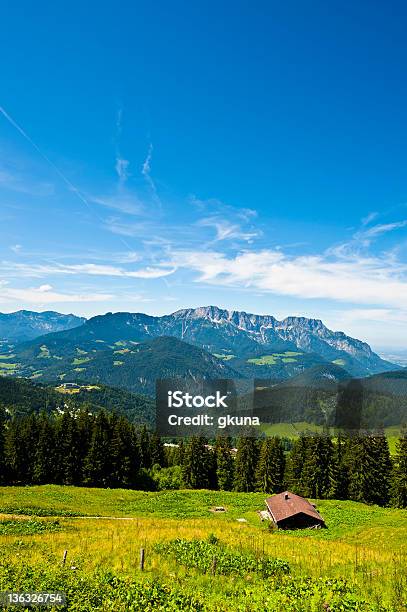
(357, 563)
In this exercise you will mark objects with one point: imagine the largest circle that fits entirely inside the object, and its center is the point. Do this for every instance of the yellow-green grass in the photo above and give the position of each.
(80, 360)
(293, 431)
(224, 357)
(6, 356)
(264, 360)
(363, 544)
(287, 357)
(9, 366)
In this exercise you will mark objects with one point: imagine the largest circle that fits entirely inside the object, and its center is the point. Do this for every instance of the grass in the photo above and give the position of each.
(264, 360)
(9, 366)
(293, 431)
(286, 357)
(80, 360)
(364, 545)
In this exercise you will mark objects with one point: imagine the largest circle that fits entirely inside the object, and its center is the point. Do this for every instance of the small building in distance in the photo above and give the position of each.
(290, 511)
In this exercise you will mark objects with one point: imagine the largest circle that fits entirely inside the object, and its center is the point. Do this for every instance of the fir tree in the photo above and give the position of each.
(195, 464)
(224, 464)
(270, 468)
(315, 474)
(45, 459)
(399, 475)
(124, 454)
(70, 464)
(97, 465)
(295, 464)
(338, 471)
(245, 464)
(156, 450)
(144, 448)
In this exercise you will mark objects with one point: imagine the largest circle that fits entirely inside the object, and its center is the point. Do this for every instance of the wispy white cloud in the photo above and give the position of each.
(126, 203)
(359, 280)
(90, 269)
(369, 218)
(122, 169)
(20, 183)
(146, 172)
(225, 230)
(44, 294)
(366, 236)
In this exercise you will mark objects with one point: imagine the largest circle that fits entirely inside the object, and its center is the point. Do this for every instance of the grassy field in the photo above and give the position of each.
(293, 430)
(363, 545)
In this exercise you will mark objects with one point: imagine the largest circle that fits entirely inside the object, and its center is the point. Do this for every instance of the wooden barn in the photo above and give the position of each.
(290, 511)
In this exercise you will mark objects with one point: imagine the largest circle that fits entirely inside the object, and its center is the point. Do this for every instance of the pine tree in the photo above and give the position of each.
(156, 450)
(2, 435)
(195, 464)
(144, 448)
(97, 465)
(368, 464)
(383, 469)
(399, 475)
(246, 464)
(315, 475)
(70, 452)
(224, 464)
(270, 468)
(338, 471)
(295, 464)
(45, 459)
(124, 454)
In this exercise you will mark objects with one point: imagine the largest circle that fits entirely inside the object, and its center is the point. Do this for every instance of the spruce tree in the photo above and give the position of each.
(195, 472)
(246, 464)
(45, 457)
(98, 465)
(144, 448)
(156, 450)
(70, 464)
(315, 474)
(124, 454)
(270, 468)
(338, 472)
(399, 475)
(2, 434)
(224, 464)
(369, 469)
(295, 464)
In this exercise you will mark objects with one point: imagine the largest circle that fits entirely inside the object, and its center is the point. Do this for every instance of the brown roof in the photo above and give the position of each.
(284, 505)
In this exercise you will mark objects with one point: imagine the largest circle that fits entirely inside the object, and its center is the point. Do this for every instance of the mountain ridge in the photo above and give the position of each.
(259, 345)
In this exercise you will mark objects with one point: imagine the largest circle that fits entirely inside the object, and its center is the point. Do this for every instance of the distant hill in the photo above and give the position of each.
(255, 346)
(127, 365)
(19, 396)
(26, 325)
(327, 394)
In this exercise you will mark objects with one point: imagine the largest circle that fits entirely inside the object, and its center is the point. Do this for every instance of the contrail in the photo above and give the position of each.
(66, 180)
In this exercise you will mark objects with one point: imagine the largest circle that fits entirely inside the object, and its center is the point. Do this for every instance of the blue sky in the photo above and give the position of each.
(155, 156)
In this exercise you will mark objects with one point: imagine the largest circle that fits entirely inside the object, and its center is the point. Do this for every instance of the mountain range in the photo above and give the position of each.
(27, 325)
(300, 368)
(131, 350)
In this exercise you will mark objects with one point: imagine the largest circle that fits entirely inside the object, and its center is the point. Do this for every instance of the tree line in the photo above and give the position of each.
(106, 450)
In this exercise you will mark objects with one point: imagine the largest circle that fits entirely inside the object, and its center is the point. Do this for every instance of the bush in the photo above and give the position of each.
(201, 554)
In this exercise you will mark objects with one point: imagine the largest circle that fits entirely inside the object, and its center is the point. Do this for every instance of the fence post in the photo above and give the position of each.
(214, 566)
(64, 557)
(141, 559)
